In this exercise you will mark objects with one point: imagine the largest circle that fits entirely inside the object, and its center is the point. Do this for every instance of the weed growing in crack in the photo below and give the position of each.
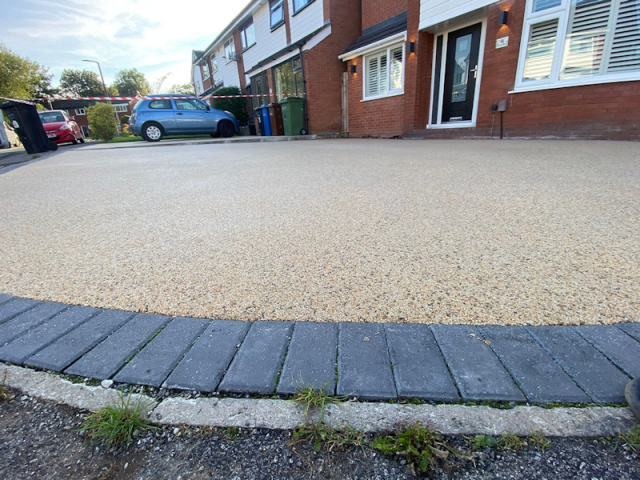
(3, 394)
(322, 435)
(536, 439)
(116, 424)
(631, 438)
(510, 441)
(311, 397)
(422, 448)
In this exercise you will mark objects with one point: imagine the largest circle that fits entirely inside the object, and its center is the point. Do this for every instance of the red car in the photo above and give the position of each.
(60, 128)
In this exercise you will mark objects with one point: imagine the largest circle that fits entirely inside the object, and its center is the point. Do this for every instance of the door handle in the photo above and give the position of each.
(475, 71)
(179, 113)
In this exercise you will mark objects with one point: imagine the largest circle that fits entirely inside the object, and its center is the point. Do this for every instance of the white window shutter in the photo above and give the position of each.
(540, 50)
(625, 46)
(373, 75)
(383, 73)
(395, 76)
(586, 35)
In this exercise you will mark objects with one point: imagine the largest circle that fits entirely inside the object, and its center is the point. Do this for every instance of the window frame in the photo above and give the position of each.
(293, 3)
(378, 53)
(206, 73)
(273, 4)
(214, 65)
(299, 89)
(80, 111)
(243, 34)
(563, 13)
(231, 52)
(120, 108)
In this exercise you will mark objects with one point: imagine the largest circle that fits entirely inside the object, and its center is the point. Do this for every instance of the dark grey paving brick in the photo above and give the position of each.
(589, 368)
(202, 368)
(74, 344)
(15, 307)
(632, 329)
(156, 360)
(475, 367)
(537, 374)
(364, 366)
(28, 320)
(4, 298)
(256, 365)
(311, 359)
(418, 366)
(616, 345)
(107, 358)
(40, 337)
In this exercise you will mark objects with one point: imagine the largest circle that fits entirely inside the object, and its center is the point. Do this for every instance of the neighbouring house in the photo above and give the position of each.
(558, 68)
(78, 110)
(439, 69)
(283, 48)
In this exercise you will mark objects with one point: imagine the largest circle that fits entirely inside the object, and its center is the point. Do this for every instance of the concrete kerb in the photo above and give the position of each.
(364, 417)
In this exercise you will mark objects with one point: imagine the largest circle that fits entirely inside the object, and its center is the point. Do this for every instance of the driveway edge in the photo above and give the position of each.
(365, 417)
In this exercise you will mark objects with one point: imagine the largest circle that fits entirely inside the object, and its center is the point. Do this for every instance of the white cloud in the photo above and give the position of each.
(154, 36)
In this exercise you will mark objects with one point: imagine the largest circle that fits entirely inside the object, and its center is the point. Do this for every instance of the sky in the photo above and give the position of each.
(155, 36)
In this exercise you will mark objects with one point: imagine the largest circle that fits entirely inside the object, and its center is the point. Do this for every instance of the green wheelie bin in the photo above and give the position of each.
(293, 116)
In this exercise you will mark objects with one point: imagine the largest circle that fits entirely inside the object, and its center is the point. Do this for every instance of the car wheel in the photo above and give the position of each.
(81, 139)
(226, 129)
(75, 140)
(152, 132)
(53, 146)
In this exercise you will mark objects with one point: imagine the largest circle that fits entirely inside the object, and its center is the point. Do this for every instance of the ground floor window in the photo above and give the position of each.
(288, 79)
(259, 86)
(384, 71)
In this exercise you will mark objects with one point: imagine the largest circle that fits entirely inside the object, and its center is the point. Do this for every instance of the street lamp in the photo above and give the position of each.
(106, 93)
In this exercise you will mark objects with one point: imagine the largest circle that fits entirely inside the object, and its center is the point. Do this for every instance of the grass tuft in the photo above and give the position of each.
(510, 441)
(3, 394)
(311, 397)
(116, 424)
(631, 438)
(323, 436)
(422, 448)
(536, 439)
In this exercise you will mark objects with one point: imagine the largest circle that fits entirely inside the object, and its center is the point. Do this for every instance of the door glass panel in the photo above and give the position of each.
(461, 69)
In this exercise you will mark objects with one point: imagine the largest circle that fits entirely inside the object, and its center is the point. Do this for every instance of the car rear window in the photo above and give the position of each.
(160, 104)
(51, 117)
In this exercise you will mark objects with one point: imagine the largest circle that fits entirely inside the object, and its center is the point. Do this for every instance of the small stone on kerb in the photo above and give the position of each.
(106, 383)
(632, 395)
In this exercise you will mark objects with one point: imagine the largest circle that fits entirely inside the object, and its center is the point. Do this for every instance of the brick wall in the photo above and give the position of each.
(376, 11)
(323, 70)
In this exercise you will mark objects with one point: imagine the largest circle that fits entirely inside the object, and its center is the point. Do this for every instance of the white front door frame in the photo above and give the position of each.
(443, 61)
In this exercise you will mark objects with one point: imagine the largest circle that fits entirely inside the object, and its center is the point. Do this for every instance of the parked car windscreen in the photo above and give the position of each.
(51, 117)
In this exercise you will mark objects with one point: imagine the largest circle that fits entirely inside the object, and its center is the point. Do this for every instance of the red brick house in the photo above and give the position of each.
(559, 68)
(284, 48)
(435, 68)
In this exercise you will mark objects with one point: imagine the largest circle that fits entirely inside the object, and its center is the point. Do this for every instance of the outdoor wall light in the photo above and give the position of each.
(353, 69)
(502, 19)
(412, 47)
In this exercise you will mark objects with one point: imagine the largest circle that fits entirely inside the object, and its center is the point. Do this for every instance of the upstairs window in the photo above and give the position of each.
(205, 71)
(577, 42)
(247, 35)
(300, 4)
(214, 64)
(229, 51)
(384, 73)
(277, 13)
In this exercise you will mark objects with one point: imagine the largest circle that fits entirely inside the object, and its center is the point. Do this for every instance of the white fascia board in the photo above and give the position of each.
(232, 26)
(456, 11)
(372, 47)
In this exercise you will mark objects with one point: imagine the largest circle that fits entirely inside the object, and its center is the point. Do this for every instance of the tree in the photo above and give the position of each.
(157, 85)
(102, 121)
(185, 88)
(81, 83)
(23, 78)
(130, 83)
(233, 105)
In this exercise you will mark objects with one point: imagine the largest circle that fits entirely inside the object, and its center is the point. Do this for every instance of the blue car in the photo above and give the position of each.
(179, 115)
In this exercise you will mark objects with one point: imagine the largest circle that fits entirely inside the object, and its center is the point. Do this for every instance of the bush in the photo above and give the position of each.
(124, 120)
(233, 105)
(102, 121)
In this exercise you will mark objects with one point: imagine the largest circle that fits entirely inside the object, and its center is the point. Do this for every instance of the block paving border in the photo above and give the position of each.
(370, 361)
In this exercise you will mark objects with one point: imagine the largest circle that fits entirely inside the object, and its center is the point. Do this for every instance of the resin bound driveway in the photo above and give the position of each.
(432, 232)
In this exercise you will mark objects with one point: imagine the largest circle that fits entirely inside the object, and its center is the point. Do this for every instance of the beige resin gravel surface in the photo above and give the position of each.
(486, 232)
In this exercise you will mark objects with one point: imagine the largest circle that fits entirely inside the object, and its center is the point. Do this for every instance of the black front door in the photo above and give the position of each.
(461, 72)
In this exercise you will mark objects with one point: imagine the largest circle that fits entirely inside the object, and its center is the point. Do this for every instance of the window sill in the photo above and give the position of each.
(296, 13)
(277, 26)
(444, 126)
(380, 97)
(578, 82)
(245, 49)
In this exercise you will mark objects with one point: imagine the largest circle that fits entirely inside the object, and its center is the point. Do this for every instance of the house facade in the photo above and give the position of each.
(280, 48)
(466, 68)
(77, 110)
